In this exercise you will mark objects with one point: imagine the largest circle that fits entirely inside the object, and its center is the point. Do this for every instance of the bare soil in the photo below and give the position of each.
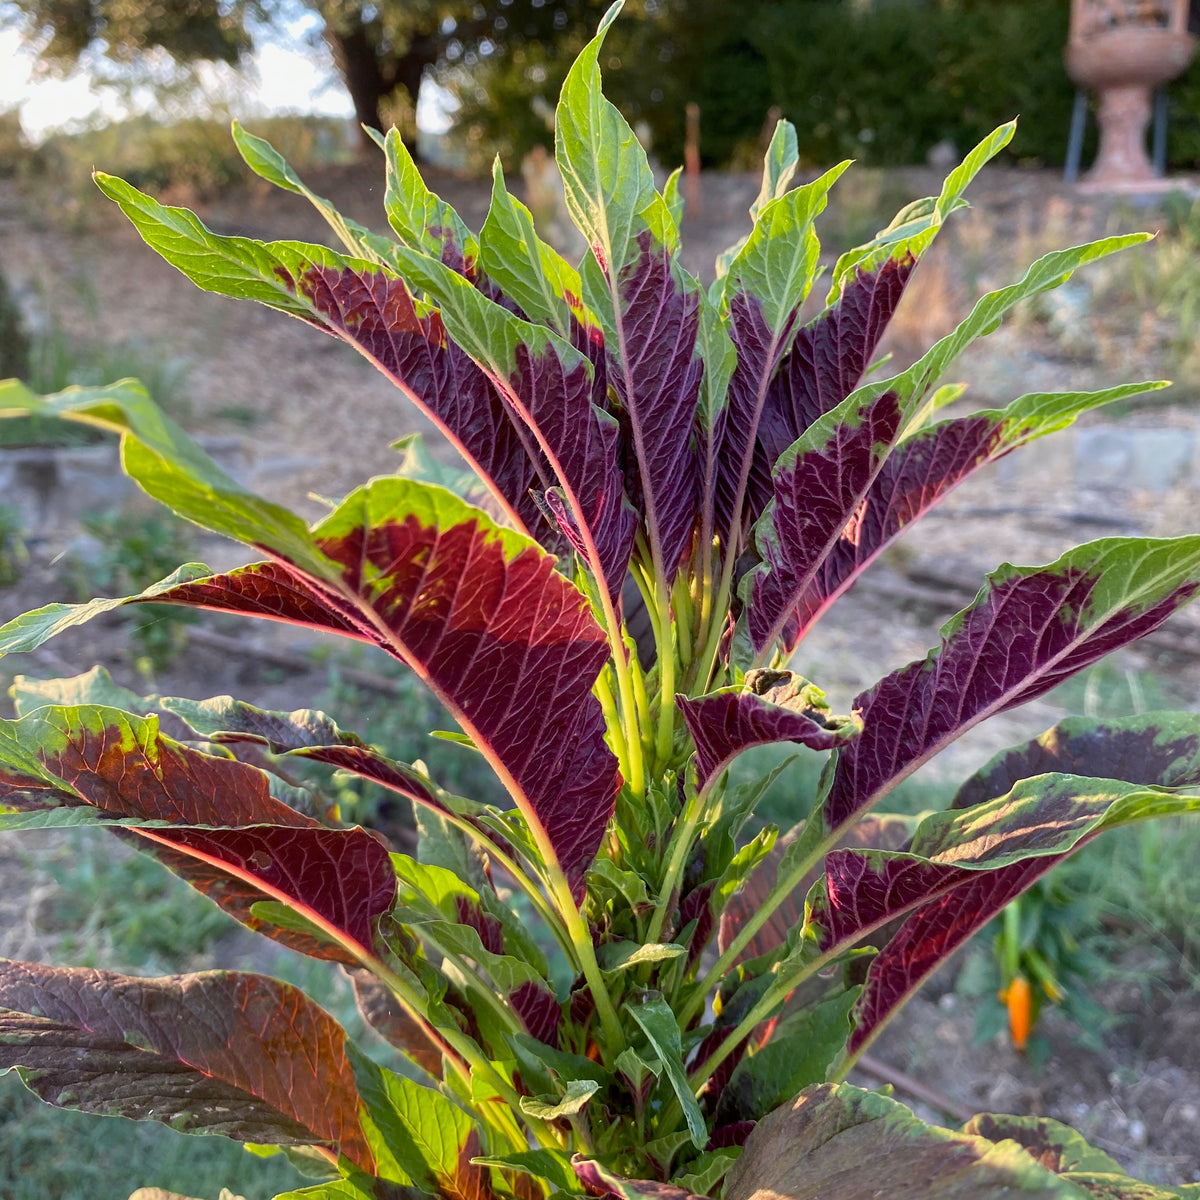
(324, 421)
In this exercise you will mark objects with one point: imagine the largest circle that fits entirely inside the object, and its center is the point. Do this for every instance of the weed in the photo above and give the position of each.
(13, 554)
(130, 551)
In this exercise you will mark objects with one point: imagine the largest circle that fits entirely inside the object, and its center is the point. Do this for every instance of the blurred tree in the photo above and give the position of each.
(382, 50)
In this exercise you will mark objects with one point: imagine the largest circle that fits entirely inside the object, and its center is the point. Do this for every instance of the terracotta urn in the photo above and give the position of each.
(1123, 50)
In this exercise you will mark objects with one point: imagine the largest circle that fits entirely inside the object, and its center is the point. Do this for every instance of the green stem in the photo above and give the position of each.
(612, 721)
(477, 985)
(706, 663)
(681, 842)
(636, 778)
(467, 1060)
(681, 604)
(768, 1002)
(585, 953)
(545, 910)
(666, 675)
(754, 922)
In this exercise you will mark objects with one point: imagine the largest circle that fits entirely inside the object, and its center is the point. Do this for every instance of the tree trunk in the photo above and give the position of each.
(356, 61)
(370, 78)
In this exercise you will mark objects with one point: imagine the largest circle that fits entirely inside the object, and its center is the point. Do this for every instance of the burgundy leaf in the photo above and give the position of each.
(261, 849)
(864, 891)
(599, 1181)
(220, 1052)
(774, 706)
(339, 879)
(375, 313)
(695, 906)
(583, 443)
(916, 475)
(510, 647)
(1029, 629)
(933, 933)
(759, 349)
(305, 733)
(657, 381)
(539, 1010)
(817, 490)
(1160, 749)
(272, 591)
(826, 363)
(837, 1142)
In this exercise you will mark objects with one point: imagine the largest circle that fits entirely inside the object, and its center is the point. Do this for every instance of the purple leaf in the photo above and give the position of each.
(825, 365)
(233, 840)
(933, 933)
(1029, 629)
(539, 1010)
(509, 646)
(768, 280)
(552, 389)
(599, 1181)
(773, 706)
(382, 1011)
(656, 374)
(1161, 749)
(242, 1055)
(837, 1142)
(303, 733)
(583, 444)
(817, 489)
(915, 476)
(374, 312)
(962, 868)
(759, 349)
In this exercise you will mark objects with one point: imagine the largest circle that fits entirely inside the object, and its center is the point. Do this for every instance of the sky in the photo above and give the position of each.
(281, 78)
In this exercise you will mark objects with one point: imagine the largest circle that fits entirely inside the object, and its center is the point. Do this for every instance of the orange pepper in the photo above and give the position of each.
(1019, 999)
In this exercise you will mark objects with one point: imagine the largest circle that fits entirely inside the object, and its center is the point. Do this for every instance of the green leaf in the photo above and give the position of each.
(623, 956)
(93, 687)
(778, 263)
(576, 1094)
(1047, 273)
(704, 1176)
(533, 273)
(779, 165)
(172, 468)
(797, 1054)
(421, 220)
(841, 1143)
(556, 1065)
(265, 161)
(554, 1166)
(607, 180)
(917, 224)
(656, 1020)
(636, 1069)
(417, 1135)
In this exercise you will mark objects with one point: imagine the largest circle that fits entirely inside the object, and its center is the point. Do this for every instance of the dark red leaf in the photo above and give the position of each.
(825, 365)
(656, 374)
(242, 1055)
(1030, 629)
(375, 313)
(775, 706)
(1160, 749)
